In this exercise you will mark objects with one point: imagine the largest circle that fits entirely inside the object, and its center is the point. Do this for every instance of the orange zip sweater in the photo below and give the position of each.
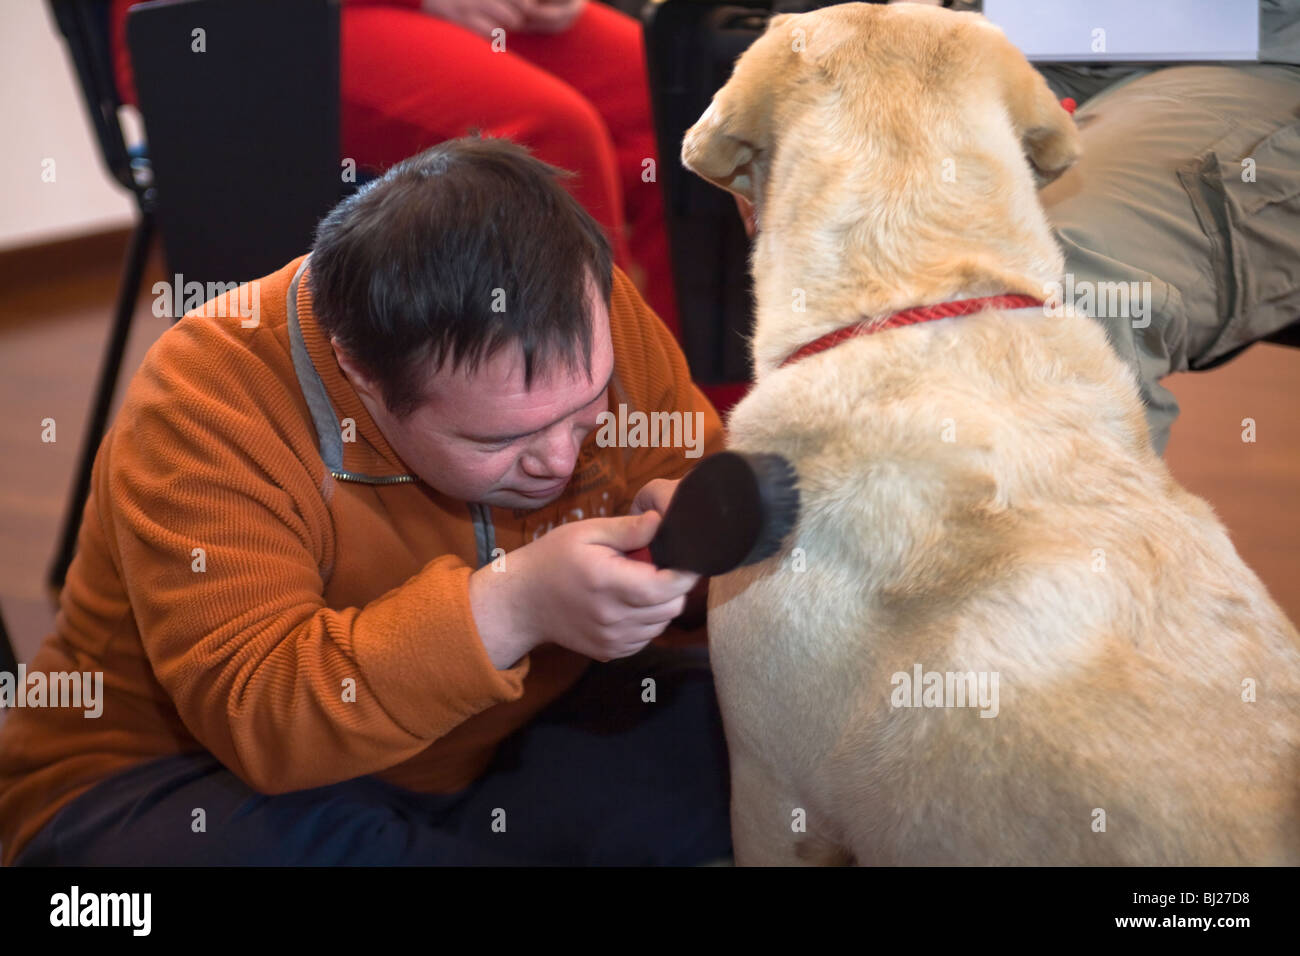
(243, 573)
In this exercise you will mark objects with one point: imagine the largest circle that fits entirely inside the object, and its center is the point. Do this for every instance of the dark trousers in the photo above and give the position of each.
(598, 778)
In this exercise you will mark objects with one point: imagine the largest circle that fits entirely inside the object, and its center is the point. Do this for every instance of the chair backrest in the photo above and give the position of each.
(86, 30)
(240, 103)
(690, 50)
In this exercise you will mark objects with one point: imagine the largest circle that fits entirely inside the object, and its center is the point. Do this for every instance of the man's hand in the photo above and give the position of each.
(481, 16)
(524, 16)
(654, 496)
(553, 16)
(576, 587)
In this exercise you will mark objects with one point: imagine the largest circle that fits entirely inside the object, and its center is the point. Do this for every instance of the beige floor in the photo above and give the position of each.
(52, 333)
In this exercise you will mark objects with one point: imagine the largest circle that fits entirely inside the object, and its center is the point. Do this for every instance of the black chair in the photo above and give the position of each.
(242, 154)
(243, 133)
(85, 28)
(691, 46)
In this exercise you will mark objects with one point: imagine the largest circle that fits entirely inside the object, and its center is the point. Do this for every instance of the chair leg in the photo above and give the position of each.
(127, 294)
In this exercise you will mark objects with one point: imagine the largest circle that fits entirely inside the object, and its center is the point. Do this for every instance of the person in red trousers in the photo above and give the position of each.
(565, 78)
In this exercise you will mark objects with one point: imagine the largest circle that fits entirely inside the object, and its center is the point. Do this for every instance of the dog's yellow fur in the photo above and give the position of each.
(979, 494)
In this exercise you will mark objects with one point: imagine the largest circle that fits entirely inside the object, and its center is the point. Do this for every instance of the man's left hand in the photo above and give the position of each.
(655, 496)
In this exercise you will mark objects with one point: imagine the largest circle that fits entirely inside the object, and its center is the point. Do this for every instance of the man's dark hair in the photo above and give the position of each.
(452, 254)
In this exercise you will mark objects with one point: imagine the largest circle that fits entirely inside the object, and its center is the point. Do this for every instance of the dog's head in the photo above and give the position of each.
(898, 143)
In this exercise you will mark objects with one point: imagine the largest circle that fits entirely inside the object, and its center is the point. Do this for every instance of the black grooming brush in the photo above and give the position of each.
(733, 509)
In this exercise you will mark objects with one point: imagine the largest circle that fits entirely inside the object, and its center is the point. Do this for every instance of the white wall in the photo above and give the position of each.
(43, 117)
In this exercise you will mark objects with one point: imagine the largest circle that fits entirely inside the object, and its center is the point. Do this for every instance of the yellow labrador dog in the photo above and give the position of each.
(1000, 633)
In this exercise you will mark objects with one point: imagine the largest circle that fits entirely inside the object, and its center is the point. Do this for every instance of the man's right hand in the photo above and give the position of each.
(483, 16)
(480, 16)
(576, 587)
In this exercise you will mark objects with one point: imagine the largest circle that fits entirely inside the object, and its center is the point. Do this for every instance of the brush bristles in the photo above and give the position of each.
(778, 490)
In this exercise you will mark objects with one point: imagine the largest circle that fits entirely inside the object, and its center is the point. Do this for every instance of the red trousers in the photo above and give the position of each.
(579, 100)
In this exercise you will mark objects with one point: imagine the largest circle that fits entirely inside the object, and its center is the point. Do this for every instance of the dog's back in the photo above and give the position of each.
(1145, 687)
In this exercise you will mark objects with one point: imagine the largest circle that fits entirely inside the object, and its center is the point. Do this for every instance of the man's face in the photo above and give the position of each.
(485, 438)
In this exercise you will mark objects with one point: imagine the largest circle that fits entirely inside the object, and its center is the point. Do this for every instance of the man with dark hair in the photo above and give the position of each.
(347, 561)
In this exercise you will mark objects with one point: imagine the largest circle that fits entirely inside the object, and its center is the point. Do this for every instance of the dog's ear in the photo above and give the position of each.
(730, 144)
(1046, 130)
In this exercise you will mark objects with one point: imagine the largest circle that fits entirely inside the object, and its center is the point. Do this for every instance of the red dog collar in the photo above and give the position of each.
(921, 313)
(924, 313)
